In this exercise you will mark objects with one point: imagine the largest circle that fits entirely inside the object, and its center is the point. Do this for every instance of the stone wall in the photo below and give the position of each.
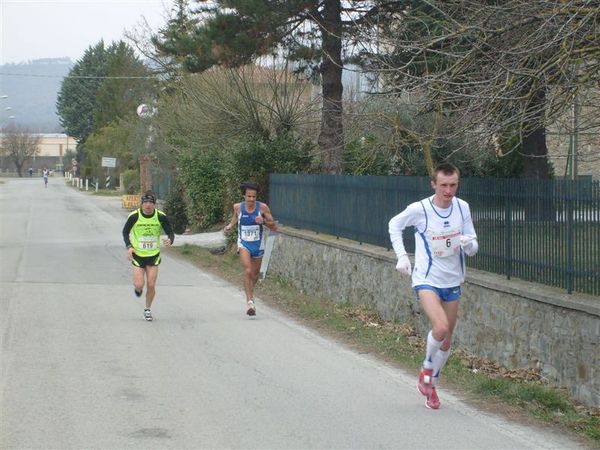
(518, 324)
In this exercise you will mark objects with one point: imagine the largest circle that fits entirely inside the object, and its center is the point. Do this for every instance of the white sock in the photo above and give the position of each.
(432, 348)
(439, 361)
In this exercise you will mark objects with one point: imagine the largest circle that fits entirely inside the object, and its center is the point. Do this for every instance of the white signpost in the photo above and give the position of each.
(108, 163)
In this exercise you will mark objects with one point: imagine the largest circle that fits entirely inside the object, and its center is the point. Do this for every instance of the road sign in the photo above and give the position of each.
(109, 162)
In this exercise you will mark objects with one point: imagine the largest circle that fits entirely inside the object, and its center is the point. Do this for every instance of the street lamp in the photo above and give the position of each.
(145, 112)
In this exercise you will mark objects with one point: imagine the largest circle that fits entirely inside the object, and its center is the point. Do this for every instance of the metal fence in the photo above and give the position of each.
(161, 182)
(546, 231)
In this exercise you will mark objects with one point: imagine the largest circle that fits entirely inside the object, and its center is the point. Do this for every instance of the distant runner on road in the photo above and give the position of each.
(141, 234)
(444, 233)
(250, 216)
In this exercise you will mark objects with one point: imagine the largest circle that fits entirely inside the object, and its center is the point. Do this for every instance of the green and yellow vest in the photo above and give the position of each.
(145, 234)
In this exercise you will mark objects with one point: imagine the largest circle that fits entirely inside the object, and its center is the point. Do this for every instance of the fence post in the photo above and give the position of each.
(570, 241)
(507, 238)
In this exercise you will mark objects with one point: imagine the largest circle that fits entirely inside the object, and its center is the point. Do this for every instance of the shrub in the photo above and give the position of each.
(366, 156)
(202, 174)
(175, 207)
(255, 159)
(131, 181)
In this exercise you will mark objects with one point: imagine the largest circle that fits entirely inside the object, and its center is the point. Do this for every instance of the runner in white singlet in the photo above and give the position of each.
(444, 234)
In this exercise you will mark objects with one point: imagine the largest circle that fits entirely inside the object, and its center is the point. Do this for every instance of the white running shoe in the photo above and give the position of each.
(250, 308)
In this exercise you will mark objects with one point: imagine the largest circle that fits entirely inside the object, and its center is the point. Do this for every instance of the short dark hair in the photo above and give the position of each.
(149, 196)
(446, 169)
(248, 185)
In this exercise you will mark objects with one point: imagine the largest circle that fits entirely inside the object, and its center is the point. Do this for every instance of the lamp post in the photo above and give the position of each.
(145, 112)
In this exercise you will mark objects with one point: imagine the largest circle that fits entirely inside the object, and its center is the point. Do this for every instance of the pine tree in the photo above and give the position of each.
(311, 33)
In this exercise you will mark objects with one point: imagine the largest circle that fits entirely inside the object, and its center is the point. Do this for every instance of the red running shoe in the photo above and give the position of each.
(425, 379)
(433, 401)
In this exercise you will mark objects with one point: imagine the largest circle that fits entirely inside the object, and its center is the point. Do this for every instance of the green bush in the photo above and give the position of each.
(211, 177)
(131, 181)
(510, 163)
(254, 159)
(366, 156)
(175, 207)
(202, 175)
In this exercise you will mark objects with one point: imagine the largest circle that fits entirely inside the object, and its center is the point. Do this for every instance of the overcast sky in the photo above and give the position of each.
(33, 29)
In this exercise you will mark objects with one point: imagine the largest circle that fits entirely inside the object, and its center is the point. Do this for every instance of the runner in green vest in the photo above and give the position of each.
(141, 234)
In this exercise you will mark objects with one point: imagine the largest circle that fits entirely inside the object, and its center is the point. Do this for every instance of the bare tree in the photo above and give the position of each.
(219, 106)
(495, 69)
(19, 145)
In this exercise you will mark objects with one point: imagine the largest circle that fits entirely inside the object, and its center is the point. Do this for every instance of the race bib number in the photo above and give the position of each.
(250, 233)
(148, 243)
(445, 243)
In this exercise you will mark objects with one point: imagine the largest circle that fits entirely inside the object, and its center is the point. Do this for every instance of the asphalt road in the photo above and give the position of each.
(80, 368)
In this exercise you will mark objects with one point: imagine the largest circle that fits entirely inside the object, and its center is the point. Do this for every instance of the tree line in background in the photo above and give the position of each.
(240, 89)
(19, 146)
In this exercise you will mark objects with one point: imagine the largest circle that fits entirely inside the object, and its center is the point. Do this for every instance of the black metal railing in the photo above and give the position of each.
(546, 231)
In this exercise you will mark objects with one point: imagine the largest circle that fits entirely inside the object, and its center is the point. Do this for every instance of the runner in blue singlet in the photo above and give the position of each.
(250, 216)
(250, 233)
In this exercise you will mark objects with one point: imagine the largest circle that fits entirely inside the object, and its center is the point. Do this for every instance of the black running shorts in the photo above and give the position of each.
(144, 261)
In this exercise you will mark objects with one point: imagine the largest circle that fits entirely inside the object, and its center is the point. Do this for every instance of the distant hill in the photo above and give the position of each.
(32, 89)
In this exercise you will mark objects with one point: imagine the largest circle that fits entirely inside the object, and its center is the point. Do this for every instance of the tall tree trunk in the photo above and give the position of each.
(19, 166)
(534, 139)
(540, 207)
(331, 136)
(536, 154)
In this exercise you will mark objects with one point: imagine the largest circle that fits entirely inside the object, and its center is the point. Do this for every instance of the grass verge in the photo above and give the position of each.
(520, 394)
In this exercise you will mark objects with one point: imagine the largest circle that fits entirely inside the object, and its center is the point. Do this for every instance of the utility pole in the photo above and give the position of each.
(575, 137)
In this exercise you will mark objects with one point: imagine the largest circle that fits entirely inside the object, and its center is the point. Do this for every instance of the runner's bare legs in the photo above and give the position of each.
(251, 271)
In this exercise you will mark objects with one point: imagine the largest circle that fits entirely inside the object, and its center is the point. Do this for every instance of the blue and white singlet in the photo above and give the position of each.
(250, 234)
(439, 259)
